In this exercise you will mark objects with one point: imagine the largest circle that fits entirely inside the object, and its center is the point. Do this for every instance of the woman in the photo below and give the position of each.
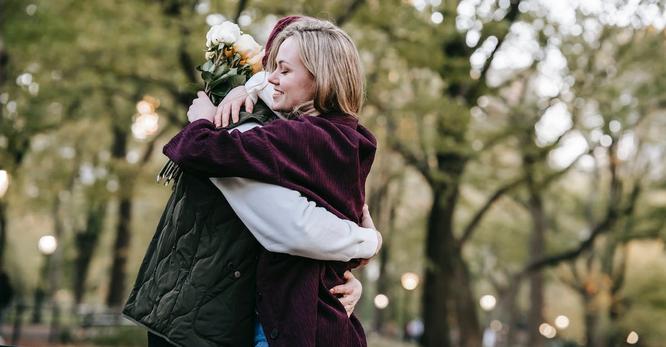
(179, 302)
(324, 154)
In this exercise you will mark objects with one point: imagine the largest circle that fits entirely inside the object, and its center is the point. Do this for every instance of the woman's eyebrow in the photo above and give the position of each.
(281, 62)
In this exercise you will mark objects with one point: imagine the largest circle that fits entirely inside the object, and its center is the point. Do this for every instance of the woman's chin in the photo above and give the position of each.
(278, 107)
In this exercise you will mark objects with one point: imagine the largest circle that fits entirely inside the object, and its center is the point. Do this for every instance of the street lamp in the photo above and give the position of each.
(409, 282)
(146, 123)
(46, 245)
(562, 322)
(487, 302)
(547, 330)
(381, 301)
(632, 338)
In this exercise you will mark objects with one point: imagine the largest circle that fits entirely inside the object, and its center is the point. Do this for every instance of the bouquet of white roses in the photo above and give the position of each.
(231, 58)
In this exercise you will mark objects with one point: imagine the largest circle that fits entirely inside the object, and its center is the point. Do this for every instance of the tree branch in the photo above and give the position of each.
(511, 17)
(242, 5)
(478, 216)
(349, 13)
(612, 215)
(410, 157)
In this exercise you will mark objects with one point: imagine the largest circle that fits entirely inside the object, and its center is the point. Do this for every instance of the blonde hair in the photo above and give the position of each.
(330, 55)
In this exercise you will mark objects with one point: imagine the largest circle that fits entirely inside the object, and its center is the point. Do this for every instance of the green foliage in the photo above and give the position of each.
(120, 337)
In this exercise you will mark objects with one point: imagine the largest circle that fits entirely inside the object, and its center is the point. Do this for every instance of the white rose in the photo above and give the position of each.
(247, 47)
(226, 33)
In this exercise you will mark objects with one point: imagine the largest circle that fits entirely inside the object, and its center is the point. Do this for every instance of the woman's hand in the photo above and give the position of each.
(366, 222)
(231, 105)
(348, 293)
(201, 108)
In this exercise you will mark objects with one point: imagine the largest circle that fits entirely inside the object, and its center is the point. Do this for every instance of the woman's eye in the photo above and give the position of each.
(284, 72)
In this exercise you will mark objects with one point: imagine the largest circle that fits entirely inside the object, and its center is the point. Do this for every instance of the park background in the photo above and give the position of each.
(519, 182)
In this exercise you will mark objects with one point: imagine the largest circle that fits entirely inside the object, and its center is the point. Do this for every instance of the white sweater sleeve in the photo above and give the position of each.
(258, 87)
(284, 221)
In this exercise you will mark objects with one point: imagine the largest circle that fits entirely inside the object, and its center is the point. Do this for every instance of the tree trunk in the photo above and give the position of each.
(438, 274)
(56, 266)
(537, 249)
(510, 312)
(382, 288)
(85, 242)
(465, 304)
(116, 294)
(447, 280)
(3, 232)
(591, 320)
(383, 203)
(447, 277)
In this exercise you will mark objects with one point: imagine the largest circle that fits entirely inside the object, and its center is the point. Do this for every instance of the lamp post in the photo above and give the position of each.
(409, 282)
(488, 303)
(146, 122)
(47, 245)
(381, 301)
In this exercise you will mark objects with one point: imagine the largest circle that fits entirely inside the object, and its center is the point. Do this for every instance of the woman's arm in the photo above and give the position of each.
(257, 87)
(284, 221)
(264, 153)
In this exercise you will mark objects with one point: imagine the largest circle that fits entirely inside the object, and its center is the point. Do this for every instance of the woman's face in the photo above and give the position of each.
(294, 85)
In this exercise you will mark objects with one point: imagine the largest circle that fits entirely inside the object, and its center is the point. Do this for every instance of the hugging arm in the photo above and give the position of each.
(208, 151)
(257, 87)
(284, 221)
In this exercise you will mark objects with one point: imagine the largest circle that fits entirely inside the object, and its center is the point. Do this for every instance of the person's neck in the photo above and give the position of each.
(307, 109)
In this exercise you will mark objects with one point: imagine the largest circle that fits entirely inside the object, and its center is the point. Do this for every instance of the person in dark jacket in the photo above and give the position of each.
(323, 153)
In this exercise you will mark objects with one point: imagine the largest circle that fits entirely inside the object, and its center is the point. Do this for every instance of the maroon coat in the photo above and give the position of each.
(326, 158)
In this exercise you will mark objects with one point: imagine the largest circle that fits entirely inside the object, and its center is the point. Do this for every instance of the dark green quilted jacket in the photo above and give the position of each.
(196, 284)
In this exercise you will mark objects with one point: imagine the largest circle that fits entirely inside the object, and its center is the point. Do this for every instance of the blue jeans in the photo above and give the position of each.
(259, 336)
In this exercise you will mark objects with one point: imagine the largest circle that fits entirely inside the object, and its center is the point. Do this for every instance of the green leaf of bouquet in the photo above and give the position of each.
(221, 70)
(221, 91)
(208, 66)
(220, 80)
(207, 76)
(245, 70)
(236, 80)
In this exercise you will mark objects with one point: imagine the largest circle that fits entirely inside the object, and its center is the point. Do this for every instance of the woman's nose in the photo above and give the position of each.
(272, 78)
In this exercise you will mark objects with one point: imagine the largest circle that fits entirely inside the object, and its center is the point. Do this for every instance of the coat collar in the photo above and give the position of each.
(341, 118)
